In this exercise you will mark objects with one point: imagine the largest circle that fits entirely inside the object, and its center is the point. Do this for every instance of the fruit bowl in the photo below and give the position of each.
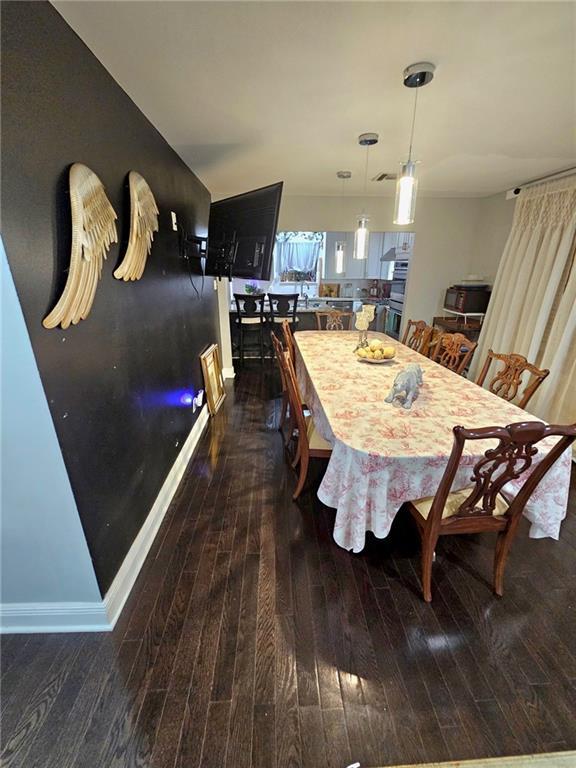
(376, 352)
(376, 362)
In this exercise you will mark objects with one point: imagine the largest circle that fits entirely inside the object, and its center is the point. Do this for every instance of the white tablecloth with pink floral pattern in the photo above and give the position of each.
(384, 455)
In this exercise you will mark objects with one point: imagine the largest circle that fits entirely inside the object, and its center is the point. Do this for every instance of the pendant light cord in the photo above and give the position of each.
(366, 170)
(413, 123)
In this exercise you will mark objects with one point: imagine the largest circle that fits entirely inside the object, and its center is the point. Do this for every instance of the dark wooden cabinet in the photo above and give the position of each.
(470, 327)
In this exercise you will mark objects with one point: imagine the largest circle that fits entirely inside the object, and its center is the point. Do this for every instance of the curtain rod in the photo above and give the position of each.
(515, 191)
(556, 175)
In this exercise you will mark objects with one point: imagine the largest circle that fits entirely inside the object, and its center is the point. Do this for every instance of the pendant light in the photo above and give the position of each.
(362, 234)
(415, 76)
(340, 247)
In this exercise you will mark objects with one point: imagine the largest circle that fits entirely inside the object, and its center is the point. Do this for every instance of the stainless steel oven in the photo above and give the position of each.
(394, 318)
(400, 269)
(397, 290)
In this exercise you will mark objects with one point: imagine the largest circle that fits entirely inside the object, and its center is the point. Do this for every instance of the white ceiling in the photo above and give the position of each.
(249, 93)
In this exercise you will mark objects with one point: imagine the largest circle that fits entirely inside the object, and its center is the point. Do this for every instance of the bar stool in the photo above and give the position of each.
(283, 306)
(250, 319)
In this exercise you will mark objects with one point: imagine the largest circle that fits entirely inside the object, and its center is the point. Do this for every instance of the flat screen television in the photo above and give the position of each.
(242, 232)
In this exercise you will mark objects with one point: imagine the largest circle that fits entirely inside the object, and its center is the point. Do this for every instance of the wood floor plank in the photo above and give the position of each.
(338, 752)
(11, 648)
(303, 629)
(241, 713)
(216, 735)
(198, 700)
(64, 704)
(288, 744)
(164, 662)
(327, 670)
(228, 640)
(264, 686)
(15, 749)
(143, 736)
(112, 697)
(264, 736)
(312, 737)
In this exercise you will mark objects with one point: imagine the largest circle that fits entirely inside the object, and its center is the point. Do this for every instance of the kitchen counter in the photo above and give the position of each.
(323, 304)
(307, 319)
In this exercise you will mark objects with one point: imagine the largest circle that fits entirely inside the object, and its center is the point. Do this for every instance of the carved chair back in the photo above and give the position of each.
(250, 308)
(418, 335)
(289, 340)
(280, 354)
(283, 306)
(508, 379)
(453, 351)
(289, 380)
(509, 460)
(334, 320)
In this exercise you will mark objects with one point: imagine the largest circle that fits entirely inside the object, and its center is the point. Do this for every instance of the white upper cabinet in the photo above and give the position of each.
(372, 267)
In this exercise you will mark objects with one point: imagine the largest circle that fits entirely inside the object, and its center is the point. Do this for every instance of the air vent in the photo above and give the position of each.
(384, 176)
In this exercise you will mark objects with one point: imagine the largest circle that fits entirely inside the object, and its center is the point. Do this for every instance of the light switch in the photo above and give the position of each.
(174, 222)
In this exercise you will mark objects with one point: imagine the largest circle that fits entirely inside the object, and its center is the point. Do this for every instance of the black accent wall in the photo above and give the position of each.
(113, 382)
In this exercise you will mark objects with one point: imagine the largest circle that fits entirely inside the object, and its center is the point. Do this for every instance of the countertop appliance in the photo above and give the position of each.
(467, 298)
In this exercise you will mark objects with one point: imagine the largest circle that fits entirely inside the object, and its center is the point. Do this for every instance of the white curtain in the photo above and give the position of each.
(297, 254)
(533, 307)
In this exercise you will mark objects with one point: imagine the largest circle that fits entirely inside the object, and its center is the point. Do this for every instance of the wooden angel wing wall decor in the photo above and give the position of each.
(143, 224)
(93, 231)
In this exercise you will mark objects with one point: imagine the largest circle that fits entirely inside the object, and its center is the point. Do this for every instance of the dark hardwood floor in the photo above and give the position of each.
(251, 639)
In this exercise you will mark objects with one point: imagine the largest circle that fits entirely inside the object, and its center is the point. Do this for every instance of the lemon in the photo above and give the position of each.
(388, 352)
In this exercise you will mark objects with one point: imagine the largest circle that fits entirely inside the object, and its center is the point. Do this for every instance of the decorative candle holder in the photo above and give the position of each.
(363, 319)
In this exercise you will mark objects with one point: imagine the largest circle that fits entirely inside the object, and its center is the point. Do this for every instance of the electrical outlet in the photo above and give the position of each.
(197, 401)
(174, 222)
(215, 284)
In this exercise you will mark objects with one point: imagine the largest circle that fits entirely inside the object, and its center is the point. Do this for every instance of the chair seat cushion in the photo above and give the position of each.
(315, 440)
(252, 320)
(453, 503)
(277, 319)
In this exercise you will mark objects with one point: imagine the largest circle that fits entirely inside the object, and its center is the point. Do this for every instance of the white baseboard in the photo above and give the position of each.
(228, 373)
(102, 616)
(124, 580)
(16, 618)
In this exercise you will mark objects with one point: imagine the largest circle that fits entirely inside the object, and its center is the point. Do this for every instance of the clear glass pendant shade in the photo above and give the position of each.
(361, 237)
(406, 187)
(339, 257)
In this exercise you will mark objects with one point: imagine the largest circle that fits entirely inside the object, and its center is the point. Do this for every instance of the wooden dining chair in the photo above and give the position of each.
(508, 379)
(483, 507)
(334, 320)
(286, 409)
(453, 351)
(289, 341)
(418, 336)
(430, 342)
(280, 352)
(309, 442)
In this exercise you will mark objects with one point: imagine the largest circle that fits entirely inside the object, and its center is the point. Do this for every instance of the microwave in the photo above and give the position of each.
(467, 299)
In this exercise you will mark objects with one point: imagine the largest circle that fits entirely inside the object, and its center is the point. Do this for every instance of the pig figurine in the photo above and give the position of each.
(406, 386)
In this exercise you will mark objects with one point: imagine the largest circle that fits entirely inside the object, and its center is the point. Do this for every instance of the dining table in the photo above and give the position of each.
(384, 455)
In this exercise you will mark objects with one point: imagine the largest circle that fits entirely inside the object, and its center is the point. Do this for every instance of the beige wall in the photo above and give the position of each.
(493, 227)
(454, 237)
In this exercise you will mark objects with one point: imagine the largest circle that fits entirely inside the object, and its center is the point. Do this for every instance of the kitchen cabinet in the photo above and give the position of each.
(356, 269)
(353, 268)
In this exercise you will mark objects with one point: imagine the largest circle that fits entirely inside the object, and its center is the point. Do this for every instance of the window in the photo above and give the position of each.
(296, 256)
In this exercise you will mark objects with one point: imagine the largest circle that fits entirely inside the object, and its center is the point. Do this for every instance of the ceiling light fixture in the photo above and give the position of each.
(362, 234)
(415, 76)
(340, 248)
